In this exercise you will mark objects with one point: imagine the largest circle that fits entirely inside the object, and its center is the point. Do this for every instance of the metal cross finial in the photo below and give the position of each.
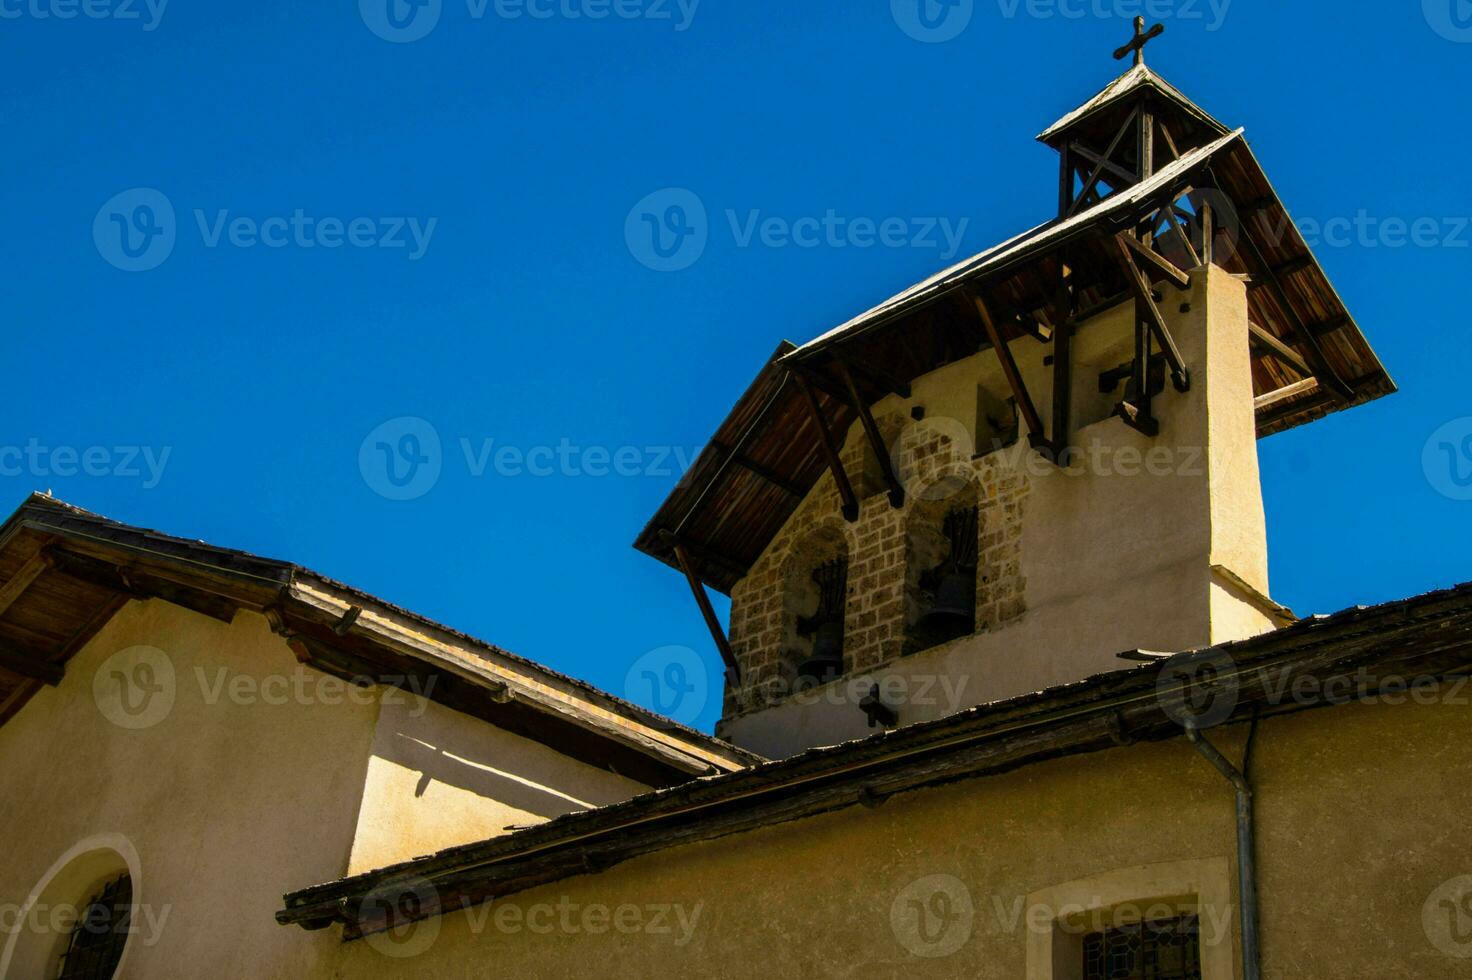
(1142, 38)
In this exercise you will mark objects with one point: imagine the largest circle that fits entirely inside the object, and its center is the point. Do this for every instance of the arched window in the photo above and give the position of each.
(97, 938)
(816, 605)
(942, 544)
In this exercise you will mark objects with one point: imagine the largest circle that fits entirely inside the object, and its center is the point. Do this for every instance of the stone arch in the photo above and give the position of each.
(815, 599)
(35, 945)
(945, 525)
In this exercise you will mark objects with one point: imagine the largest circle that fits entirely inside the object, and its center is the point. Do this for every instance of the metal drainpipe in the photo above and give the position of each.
(1246, 841)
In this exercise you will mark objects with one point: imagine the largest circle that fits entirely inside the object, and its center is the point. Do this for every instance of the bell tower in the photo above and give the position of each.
(1034, 467)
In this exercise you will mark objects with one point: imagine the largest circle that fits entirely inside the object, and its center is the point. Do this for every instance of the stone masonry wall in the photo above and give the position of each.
(936, 470)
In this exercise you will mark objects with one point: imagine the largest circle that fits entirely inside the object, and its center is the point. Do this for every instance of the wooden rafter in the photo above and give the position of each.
(32, 668)
(1272, 398)
(1180, 377)
(702, 599)
(1036, 436)
(1280, 350)
(1108, 155)
(876, 441)
(758, 470)
(1158, 262)
(830, 450)
(16, 586)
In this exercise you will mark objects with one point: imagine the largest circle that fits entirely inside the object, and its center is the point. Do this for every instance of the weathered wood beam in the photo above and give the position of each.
(881, 379)
(1037, 438)
(876, 441)
(1093, 180)
(16, 586)
(32, 668)
(1126, 175)
(1175, 226)
(702, 599)
(1325, 372)
(830, 449)
(1159, 263)
(1063, 373)
(1280, 350)
(1156, 320)
(757, 469)
(1208, 233)
(1264, 402)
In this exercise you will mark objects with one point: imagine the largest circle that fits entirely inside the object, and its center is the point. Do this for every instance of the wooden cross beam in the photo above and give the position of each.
(1108, 155)
(1037, 438)
(830, 449)
(876, 441)
(1137, 45)
(1178, 373)
(702, 599)
(1159, 263)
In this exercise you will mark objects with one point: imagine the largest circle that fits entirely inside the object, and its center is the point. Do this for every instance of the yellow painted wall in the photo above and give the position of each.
(227, 804)
(1363, 823)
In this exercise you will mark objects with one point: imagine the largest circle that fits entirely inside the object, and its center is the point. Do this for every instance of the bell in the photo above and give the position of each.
(826, 663)
(955, 604)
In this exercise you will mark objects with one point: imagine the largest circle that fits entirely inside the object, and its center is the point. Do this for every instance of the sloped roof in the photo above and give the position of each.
(1346, 656)
(65, 571)
(1137, 78)
(729, 512)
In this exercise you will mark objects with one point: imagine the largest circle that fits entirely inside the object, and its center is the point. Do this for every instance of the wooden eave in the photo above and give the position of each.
(1325, 660)
(730, 513)
(73, 570)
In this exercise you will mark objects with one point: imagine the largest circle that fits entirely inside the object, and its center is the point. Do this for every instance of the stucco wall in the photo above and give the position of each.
(439, 778)
(1362, 820)
(232, 789)
(1113, 554)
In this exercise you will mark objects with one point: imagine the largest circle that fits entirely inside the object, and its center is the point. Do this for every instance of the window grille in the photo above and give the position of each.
(1161, 950)
(96, 942)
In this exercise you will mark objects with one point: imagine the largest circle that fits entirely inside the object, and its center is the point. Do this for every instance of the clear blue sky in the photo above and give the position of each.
(527, 320)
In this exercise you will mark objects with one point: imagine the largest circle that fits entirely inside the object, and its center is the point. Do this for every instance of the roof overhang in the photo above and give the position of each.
(1317, 663)
(767, 456)
(1138, 79)
(64, 572)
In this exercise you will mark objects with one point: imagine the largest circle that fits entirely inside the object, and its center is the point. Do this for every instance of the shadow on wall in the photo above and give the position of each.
(480, 776)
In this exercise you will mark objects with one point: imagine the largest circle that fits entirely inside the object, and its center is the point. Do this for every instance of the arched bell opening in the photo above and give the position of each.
(943, 548)
(816, 607)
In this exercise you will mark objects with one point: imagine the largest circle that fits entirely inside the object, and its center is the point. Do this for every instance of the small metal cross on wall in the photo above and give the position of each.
(1142, 38)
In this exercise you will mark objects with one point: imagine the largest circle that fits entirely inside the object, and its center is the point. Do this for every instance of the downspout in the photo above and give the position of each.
(1246, 841)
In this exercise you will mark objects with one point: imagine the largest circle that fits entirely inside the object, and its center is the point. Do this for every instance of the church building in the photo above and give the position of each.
(1007, 693)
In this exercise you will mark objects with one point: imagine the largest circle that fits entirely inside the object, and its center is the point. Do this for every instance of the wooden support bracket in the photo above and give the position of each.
(876, 441)
(1036, 435)
(1146, 299)
(830, 449)
(702, 599)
